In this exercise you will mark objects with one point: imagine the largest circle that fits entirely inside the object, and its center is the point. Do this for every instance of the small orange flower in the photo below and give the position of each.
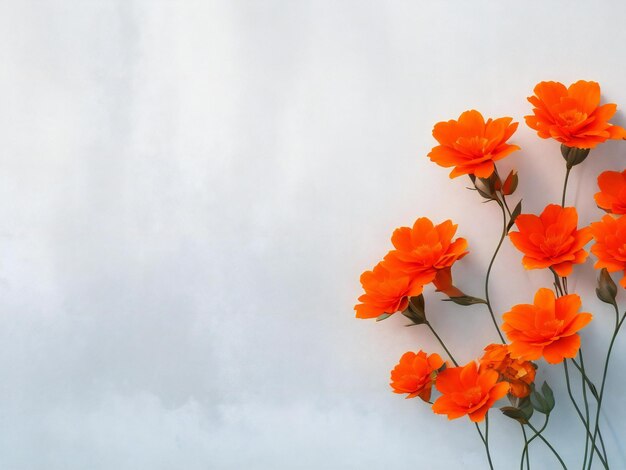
(610, 244)
(468, 390)
(385, 292)
(547, 328)
(573, 115)
(519, 374)
(415, 374)
(612, 195)
(551, 240)
(471, 145)
(425, 251)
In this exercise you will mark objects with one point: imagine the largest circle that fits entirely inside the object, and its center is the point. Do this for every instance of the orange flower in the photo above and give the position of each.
(573, 115)
(546, 328)
(385, 292)
(415, 374)
(551, 240)
(610, 244)
(468, 390)
(612, 195)
(426, 251)
(471, 145)
(519, 374)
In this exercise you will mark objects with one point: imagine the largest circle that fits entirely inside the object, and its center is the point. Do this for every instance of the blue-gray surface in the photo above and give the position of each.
(189, 191)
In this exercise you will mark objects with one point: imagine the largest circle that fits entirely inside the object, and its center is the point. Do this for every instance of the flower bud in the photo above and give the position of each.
(510, 183)
(606, 290)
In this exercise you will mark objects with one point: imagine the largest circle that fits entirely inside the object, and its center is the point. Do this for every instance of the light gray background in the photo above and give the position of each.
(190, 190)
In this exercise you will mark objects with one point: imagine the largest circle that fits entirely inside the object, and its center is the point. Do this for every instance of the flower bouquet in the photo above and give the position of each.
(548, 326)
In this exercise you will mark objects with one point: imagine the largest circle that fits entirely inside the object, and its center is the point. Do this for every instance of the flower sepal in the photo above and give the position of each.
(520, 410)
(487, 187)
(573, 156)
(416, 311)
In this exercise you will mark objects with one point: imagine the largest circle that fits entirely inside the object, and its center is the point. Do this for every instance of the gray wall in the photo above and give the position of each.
(189, 191)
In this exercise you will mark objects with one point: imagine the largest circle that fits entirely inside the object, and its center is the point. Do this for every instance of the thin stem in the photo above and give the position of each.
(590, 384)
(485, 439)
(565, 186)
(442, 344)
(556, 454)
(506, 205)
(592, 387)
(580, 415)
(495, 169)
(604, 373)
(525, 451)
(493, 258)
(558, 287)
(584, 387)
(487, 431)
(480, 432)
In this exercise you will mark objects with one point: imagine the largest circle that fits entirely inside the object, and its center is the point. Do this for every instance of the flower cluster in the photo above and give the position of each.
(549, 328)
(423, 254)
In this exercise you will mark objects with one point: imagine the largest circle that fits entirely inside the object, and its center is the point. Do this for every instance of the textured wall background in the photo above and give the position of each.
(189, 191)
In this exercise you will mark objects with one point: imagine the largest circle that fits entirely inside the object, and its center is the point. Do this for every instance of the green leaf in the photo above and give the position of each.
(516, 211)
(465, 300)
(526, 407)
(383, 316)
(539, 402)
(514, 413)
(548, 396)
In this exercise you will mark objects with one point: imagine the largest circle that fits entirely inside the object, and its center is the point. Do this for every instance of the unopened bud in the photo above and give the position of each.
(606, 290)
(510, 183)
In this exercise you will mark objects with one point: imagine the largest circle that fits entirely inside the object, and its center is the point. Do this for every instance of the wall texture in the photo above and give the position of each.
(189, 191)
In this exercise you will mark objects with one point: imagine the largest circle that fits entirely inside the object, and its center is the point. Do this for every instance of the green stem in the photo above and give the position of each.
(525, 451)
(556, 454)
(584, 387)
(580, 415)
(495, 169)
(565, 186)
(493, 258)
(593, 388)
(558, 287)
(604, 373)
(485, 439)
(443, 345)
(590, 384)
(506, 205)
